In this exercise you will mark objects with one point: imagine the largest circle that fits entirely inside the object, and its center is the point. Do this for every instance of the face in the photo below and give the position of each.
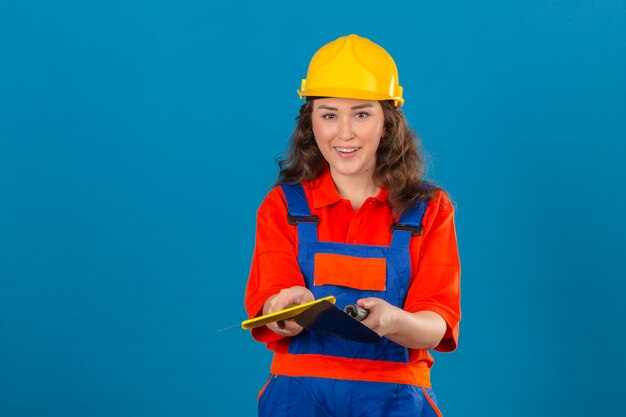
(347, 132)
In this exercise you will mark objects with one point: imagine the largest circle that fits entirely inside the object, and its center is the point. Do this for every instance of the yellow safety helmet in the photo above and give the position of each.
(352, 67)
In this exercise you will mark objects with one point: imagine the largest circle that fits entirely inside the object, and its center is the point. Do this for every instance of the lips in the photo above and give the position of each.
(347, 150)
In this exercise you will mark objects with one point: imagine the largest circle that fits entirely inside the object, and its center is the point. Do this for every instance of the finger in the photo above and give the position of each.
(290, 295)
(292, 328)
(276, 328)
(307, 296)
(273, 327)
(281, 303)
(367, 303)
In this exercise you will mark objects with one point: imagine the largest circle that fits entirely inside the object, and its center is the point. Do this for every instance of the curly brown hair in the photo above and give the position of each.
(399, 159)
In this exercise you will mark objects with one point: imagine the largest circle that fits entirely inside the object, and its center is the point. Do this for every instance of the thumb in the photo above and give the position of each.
(301, 298)
(366, 303)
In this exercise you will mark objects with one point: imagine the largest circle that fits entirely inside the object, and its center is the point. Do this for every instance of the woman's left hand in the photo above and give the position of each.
(382, 317)
(419, 330)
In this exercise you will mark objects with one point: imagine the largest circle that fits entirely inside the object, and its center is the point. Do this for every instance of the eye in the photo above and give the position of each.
(361, 115)
(329, 116)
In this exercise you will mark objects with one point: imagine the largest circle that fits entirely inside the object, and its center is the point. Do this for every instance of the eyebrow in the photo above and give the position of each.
(360, 106)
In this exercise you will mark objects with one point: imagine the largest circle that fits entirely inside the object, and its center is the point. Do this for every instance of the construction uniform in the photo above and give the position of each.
(332, 250)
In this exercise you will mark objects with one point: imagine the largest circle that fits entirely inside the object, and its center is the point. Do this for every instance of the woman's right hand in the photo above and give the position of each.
(285, 298)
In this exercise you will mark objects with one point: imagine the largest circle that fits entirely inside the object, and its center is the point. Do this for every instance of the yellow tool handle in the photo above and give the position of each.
(284, 314)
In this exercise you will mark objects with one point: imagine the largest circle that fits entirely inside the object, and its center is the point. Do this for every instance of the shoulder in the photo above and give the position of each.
(441, 201)
(439, 211)
(274, 200)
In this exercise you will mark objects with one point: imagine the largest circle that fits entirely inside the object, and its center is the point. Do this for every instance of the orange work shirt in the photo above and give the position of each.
(435, 267)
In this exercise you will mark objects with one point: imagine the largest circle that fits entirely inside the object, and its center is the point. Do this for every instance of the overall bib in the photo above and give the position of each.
(328, 376)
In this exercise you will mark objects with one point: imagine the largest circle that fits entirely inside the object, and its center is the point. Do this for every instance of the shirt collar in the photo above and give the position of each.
(324, 192)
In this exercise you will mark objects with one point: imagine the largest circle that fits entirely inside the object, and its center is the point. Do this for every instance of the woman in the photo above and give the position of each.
(351, 217)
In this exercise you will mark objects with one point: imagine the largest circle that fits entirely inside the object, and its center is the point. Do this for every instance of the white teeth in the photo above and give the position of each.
(347, 150)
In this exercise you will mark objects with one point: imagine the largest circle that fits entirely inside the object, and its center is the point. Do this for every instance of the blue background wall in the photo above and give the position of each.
(137, 140)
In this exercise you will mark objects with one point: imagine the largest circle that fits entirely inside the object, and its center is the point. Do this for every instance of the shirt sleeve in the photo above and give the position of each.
(274, 261)
(435, 284)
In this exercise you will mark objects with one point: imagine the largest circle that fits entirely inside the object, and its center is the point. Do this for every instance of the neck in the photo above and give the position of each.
(355, 189)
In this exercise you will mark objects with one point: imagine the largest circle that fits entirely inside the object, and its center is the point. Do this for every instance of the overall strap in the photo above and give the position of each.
(409, 224)
(299, 213)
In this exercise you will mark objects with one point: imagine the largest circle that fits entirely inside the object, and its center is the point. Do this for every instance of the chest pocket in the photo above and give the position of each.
(350, 271)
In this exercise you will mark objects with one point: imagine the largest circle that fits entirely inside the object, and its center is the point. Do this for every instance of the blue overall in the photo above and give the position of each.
(311, 396)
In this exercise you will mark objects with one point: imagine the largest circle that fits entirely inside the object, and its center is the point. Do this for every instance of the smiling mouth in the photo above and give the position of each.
(346, 150)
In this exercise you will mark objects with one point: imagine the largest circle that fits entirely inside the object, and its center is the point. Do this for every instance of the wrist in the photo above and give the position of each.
(397, 320)
(268, 303)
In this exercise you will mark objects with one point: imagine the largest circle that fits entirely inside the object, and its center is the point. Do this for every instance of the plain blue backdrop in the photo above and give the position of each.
(138, 138)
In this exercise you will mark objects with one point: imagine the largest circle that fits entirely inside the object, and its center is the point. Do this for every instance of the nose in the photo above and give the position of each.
(345, 130)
